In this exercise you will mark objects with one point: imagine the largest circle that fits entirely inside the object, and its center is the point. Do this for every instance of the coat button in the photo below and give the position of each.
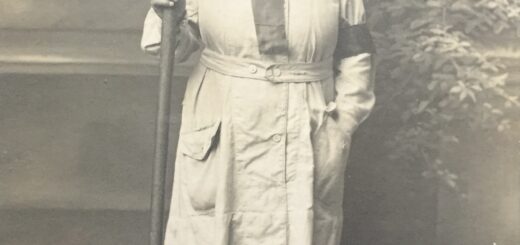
(253, 69)
(277, 138)
(277, 72)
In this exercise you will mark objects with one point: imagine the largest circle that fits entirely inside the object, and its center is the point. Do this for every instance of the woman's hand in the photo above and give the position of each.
(160, 5)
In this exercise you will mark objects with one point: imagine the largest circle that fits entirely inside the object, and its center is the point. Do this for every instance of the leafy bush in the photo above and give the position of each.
(432, 76)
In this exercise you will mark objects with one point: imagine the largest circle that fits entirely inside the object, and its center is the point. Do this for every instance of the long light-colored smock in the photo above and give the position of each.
(267, 118)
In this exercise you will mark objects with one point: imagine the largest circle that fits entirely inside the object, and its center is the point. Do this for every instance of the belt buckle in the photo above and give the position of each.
(272, 72)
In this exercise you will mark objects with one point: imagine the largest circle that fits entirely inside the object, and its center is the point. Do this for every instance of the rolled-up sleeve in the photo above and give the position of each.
(188, 40)
(354, 52)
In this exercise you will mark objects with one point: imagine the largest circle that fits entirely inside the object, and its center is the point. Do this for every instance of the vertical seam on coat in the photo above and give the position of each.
(286, 111)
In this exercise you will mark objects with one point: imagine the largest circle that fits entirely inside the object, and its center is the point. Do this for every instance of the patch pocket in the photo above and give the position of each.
(199, 149)
(197, 144)
(331, 147)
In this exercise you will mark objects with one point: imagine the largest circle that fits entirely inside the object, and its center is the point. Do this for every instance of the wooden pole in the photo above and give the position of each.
(171, 19)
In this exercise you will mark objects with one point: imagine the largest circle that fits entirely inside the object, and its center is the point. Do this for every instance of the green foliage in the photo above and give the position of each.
(434, 78)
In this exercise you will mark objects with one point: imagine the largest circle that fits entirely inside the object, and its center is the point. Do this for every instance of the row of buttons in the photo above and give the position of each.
(254, 69)
(276, 72)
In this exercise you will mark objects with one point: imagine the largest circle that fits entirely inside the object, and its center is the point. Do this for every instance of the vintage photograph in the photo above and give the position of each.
(260, 122)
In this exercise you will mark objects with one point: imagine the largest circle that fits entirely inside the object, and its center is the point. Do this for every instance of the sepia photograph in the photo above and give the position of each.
(260, 122)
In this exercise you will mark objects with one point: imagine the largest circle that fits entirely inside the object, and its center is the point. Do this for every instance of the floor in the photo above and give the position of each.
(66, 227)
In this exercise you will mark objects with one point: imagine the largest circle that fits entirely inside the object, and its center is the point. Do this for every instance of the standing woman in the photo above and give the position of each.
(267, 118)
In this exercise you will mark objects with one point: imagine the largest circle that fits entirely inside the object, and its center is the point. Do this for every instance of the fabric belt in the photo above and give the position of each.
(274, 72)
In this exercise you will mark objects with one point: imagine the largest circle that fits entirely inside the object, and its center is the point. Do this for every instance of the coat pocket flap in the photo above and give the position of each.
(197, 144)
